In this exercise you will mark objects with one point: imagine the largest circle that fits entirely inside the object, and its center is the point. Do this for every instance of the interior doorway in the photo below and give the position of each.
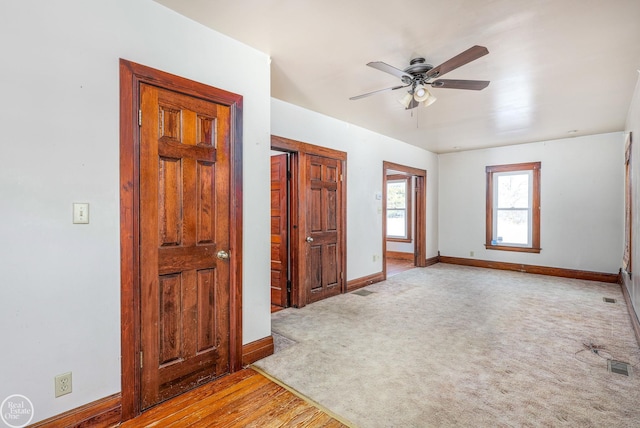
(404, 213)
(308, 248)
(180, 235)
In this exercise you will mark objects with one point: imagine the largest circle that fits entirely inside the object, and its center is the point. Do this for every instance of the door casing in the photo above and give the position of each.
(298, 223)
(420, 206)
(131, 76)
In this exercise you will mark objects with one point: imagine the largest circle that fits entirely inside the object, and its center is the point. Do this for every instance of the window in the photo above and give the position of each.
(513, 207)
(399, 208)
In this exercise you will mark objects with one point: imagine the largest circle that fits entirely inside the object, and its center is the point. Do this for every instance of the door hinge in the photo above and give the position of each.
(340, 177)
(140, 359)
(288, 175)
(341, 276)
(288, 286)
(139, 117)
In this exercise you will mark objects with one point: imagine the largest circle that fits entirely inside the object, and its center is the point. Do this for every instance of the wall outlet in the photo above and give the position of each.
(63, 384)
(471, 253)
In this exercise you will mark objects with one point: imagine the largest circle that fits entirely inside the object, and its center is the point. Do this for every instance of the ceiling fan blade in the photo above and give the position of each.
(459, 60)
(357, 97)
(474, 85)
(382, 66)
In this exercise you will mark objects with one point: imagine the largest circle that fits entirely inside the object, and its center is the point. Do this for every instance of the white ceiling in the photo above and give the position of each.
(555, 66)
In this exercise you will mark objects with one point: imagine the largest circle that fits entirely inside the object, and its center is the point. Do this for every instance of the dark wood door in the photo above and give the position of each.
(279, 228)
(323, 249)
(184, 223)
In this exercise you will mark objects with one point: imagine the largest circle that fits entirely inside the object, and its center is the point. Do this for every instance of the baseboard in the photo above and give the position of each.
(102, 413)
(540, 270)
(397, 255)
(635, 323)
(354, 284)
(254, 351)
(432, 261)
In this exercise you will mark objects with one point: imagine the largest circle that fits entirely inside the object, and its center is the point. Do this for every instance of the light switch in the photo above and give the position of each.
(80, 213)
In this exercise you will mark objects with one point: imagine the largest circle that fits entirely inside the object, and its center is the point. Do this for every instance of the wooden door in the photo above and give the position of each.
(323, 243)
(279, 229)
(184, 223)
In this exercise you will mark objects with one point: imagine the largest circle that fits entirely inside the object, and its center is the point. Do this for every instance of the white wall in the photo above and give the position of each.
(633, 125)
(401, 247)
(581, 202)
(366, 152)
(60, 144)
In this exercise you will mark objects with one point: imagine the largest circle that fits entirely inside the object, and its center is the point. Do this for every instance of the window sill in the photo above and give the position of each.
(399, 239)
(511, 248)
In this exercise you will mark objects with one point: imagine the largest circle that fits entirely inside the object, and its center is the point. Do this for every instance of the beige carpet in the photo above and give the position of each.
(451, 346)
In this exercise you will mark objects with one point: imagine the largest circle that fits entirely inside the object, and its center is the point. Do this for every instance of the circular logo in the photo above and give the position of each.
(16, 411)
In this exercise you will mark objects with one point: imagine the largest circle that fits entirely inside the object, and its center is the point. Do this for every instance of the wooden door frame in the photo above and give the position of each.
(299, 151)
(420, 206)
(131, 76)
(287, 213)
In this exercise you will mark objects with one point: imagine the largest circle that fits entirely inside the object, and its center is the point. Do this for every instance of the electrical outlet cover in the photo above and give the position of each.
(63, 384)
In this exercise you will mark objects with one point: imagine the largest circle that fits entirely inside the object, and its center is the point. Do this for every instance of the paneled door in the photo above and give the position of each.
(184, 242)
(323, 253)
(279, 228)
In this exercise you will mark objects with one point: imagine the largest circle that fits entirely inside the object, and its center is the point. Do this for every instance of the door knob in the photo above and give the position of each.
(222, 255)
(309, 239)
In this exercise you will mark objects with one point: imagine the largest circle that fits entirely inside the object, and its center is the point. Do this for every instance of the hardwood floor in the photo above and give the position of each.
(242, 399)
(395, 266)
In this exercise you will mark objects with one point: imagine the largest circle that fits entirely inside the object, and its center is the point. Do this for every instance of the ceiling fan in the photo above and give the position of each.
(420, 74)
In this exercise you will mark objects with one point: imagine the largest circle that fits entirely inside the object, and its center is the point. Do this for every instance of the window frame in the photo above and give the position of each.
(408, 212)
(534, 168)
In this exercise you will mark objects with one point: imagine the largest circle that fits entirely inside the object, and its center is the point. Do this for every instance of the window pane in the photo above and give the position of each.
(513, 207)
(396, 194)
(512, 227)
(396, 223)
(513, 191)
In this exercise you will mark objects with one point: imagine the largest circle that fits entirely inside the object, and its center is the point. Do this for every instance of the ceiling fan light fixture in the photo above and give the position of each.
(421, 93)
(430, 100)
(406, 99)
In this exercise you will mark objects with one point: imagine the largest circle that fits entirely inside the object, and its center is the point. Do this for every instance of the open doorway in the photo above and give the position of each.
(404, 213)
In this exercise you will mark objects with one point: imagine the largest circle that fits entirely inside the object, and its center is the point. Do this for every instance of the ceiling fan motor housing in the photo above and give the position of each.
(417, 68)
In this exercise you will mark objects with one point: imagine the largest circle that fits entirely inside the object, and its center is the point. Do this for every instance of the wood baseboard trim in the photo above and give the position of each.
(397, 255)
(432, 261)
(102, 413)
(357, 283)
(539, 270)
(257, 350)
(635, 323)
